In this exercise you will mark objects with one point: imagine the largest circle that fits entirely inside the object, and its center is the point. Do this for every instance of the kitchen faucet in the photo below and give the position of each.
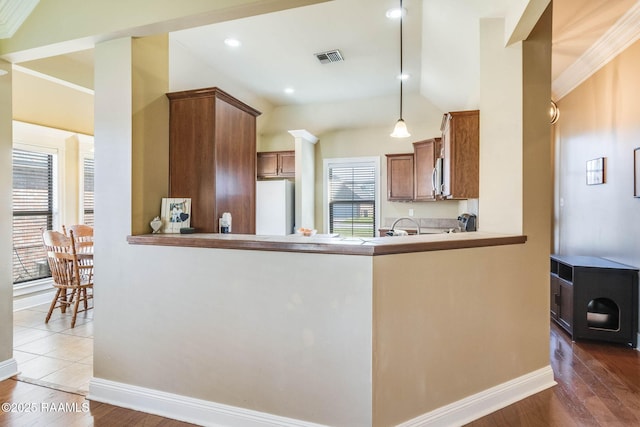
(393, 226)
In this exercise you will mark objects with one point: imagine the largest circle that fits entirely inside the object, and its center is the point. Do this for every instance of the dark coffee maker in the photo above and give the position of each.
(467, 222)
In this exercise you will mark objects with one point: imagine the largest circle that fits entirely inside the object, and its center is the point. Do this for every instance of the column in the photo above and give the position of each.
(305, 178)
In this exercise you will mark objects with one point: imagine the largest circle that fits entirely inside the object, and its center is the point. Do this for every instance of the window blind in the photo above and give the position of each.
(87, 196)
(32, 211)
(352, 199)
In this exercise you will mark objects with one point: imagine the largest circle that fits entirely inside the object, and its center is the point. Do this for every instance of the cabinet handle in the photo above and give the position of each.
(434, 190)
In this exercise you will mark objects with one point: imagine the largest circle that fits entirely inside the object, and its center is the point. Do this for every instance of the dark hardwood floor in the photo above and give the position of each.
(598, 385)
(26, 404)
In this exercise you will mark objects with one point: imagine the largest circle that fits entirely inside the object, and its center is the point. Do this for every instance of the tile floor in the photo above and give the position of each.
(52, 354)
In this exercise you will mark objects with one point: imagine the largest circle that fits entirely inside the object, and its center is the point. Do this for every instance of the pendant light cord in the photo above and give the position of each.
(401, 76)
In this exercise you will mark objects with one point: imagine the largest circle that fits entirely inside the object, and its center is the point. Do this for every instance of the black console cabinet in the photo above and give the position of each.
(594, 298)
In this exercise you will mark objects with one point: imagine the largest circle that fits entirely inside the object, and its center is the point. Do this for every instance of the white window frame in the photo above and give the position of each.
(85, 152)
(346, 161)
(48, 140)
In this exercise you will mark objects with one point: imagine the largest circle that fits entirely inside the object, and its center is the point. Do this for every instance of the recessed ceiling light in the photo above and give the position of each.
(396, 13)
(231, 42)
(289, 90)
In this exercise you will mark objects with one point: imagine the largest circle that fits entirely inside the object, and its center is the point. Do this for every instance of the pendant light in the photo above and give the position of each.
(400, 130)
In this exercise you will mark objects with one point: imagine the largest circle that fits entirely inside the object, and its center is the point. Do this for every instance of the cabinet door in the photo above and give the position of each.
(267, 166)
(555, 296)
(425, 174)
(461, 146)
(287, 160)
(565, 309)
(400, 177)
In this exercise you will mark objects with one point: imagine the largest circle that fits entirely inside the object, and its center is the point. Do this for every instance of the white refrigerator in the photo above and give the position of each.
(274, 207)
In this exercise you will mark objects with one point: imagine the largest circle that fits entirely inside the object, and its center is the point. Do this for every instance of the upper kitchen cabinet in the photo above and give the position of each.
(461, 152)
(400, 177)
(427, 169)
(276, 164)
(212, 157)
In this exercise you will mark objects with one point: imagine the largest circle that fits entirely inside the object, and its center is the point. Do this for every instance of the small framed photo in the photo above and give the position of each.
(595, 171)
(175, 214)
(636, 172)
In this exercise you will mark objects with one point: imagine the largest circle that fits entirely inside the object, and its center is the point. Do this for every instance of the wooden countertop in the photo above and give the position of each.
(320, 244)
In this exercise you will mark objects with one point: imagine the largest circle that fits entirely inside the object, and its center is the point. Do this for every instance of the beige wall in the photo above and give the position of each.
(441, 334)
(150, 129)
(600, 119)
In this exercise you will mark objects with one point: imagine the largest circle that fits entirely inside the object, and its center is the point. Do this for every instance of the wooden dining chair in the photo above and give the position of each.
(74, 282)
(83, 235)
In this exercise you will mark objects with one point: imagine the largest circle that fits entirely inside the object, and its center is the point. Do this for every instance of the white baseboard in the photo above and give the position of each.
(33, 300)
(208, 413)
(184, 408)
(8, 368)
(478, 405)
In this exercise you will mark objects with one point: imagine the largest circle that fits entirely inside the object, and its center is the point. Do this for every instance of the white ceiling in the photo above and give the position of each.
(440, 49)
(278, 51)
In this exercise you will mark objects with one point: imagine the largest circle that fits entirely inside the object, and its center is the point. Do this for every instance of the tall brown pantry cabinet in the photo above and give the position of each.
(461, 154)
(212, 157)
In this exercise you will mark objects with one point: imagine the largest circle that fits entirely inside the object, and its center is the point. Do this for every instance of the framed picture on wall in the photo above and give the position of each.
(595, 171)
(175, 214)
(636, 172)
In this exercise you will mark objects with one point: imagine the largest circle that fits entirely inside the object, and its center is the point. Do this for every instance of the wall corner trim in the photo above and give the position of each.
(480, 404)
(183, 408)
(8, 368)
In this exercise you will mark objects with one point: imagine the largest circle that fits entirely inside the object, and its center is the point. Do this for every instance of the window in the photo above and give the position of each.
(87, 191)
(352, 194)
(33, 200)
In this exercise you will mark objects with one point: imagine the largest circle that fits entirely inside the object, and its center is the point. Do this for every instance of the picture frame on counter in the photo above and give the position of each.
(595, 171)
(175, 214)
(636, 172)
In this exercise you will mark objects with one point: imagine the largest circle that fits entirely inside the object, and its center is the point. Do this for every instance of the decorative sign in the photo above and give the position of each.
(595, 171)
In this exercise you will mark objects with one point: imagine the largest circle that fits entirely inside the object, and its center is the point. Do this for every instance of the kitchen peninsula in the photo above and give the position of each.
(333, 330)
(331, 245)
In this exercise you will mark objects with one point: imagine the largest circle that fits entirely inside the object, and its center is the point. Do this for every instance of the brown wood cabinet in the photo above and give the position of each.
(212, 157)
(426, 175)
(276, 164)
(400, 177)
(461, 154)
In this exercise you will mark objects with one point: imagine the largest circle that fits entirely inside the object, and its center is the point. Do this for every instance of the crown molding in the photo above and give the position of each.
(12, 14)
(620, 36)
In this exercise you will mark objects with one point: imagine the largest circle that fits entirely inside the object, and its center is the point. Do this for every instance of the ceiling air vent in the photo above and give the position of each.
(329, 56)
